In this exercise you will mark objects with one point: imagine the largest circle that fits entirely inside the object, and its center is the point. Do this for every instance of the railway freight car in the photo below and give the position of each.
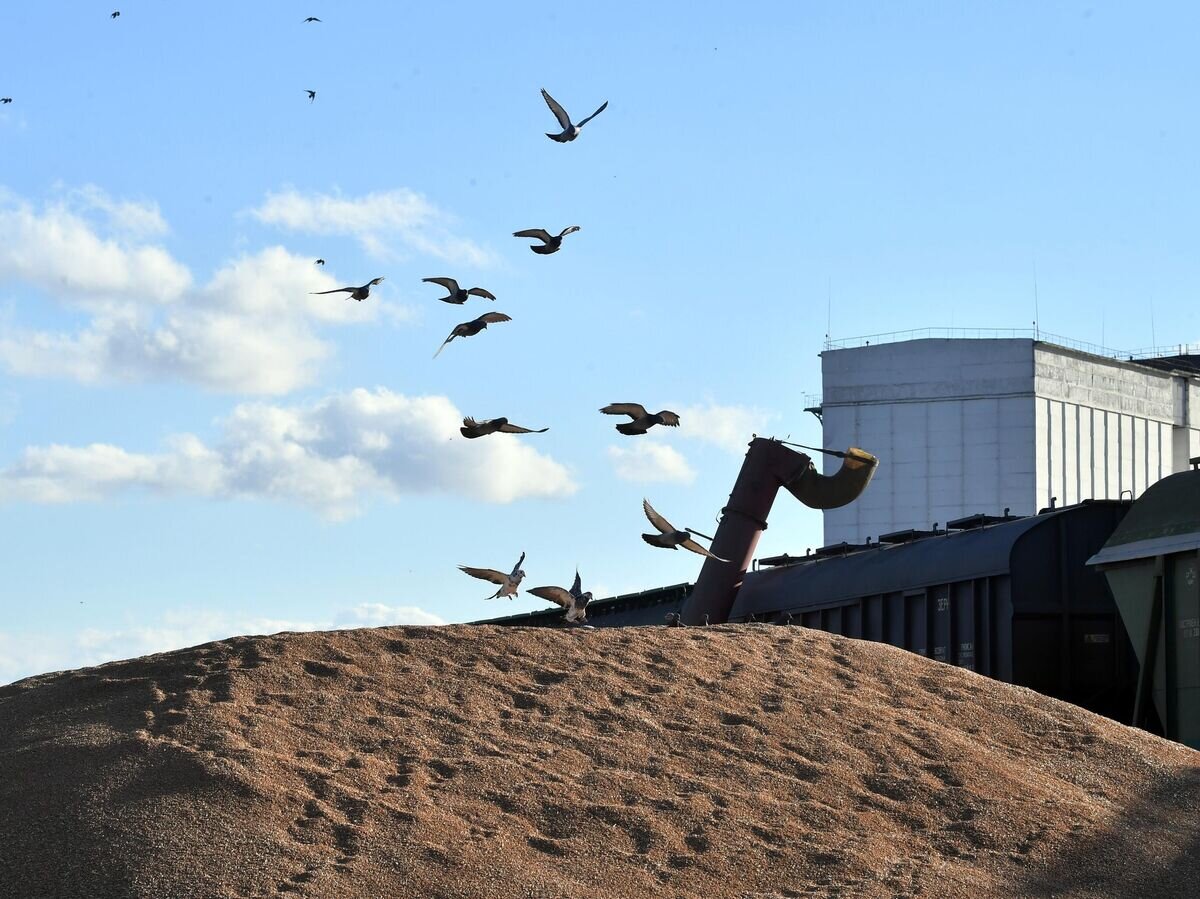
(1012, 598)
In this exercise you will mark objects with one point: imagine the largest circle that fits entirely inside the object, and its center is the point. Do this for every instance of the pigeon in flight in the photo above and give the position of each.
(472, 428)
(312, 95)
(312, 19)
(5, 99)
(355, 293)
(642, 420)
(473, 327)
(569, 132)
(319, 262)
(550, 243)
(508, 582)
(458, 296)
(574, 600)
(669, 538)
(116, 14)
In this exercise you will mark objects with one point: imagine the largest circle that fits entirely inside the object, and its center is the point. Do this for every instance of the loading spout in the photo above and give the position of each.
(769, 465)
(818, 491)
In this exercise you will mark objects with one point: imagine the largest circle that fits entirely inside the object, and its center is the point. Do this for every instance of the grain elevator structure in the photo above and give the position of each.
(963, 426)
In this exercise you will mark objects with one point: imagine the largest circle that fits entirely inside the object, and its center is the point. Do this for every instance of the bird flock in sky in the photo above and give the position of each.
(574, 601)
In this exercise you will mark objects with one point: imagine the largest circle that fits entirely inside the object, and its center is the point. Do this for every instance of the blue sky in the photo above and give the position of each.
(192, 446)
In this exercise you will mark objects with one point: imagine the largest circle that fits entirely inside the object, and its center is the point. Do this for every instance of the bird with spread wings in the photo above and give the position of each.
(473, 327)
(549, 242)
(508, 582)
(642, 420)
(569, 132)
(574, 600)
(458, 296)
(355, 293)
(670, 537)
(472, 428)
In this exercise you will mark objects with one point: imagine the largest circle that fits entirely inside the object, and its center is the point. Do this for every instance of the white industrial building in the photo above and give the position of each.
(966, 425)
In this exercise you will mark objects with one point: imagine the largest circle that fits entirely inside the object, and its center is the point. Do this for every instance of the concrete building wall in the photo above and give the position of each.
(952, 422)
(965, 425)
(1104, 427)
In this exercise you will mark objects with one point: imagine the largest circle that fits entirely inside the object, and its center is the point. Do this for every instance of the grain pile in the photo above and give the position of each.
(749, 761)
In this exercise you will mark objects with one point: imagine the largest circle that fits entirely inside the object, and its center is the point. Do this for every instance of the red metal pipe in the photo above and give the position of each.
(769, 465)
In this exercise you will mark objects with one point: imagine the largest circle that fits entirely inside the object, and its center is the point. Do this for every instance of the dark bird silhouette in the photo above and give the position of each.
(319, 262)
(116, 14)
(642, 420)
(473, 327)
(312, 19)
(355, 293)
(508, 582)
(550, 242)
(5, 99)
(669, 537)
(458, 296)
(574, 600)
(472, 428)
(569, 132)
(312, 95)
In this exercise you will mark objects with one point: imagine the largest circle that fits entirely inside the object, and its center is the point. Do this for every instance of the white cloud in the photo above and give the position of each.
(58, 250)
(376, 614)
(23, 655)
(648, 462)
(330, 455)
(729, 427)
(380, 222)
(250, 329)
(130, 217)
(63, 474)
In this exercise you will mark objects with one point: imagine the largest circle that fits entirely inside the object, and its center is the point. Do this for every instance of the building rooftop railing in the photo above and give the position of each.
(1180, 349)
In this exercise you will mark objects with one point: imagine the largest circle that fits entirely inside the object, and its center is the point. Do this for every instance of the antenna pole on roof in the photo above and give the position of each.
(1036, 315)
(828, 307)
(1153, 338)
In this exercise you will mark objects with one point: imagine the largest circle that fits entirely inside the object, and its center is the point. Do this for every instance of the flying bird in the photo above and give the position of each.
(312, 19)
(355, 293)
(319, 262)
(472, 428)
(642, 420)
(473, 327)
(574, 600)
(116, 14)
(312, 95)
(569, 132)
(508, 582)
(5, 99)
(670, 538)
(550, 242)
(458, 296)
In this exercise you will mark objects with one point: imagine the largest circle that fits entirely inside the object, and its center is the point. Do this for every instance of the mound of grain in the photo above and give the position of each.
(478, 761)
